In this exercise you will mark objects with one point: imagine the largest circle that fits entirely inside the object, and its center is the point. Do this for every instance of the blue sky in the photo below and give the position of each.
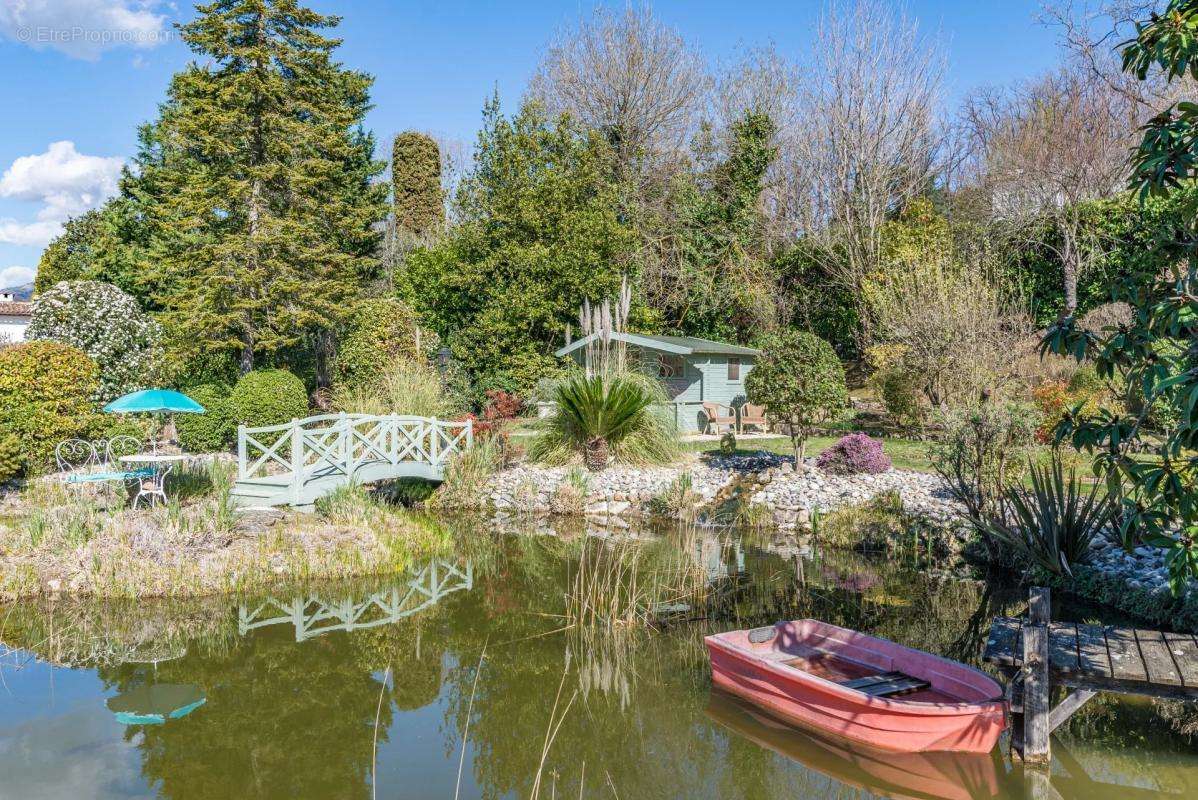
(81, 75)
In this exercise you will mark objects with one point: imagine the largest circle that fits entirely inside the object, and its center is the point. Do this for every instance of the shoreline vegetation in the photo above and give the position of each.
(55, 541)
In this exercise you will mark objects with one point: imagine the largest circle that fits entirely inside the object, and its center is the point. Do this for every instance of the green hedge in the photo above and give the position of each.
(47, 394)
(215, 429)
(268, 397)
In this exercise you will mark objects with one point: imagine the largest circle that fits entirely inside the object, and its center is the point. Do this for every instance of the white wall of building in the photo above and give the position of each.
(12, 329)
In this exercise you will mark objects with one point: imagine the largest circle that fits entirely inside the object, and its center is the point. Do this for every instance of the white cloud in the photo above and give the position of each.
(33, 234)
(83, 28)
(16, 276)
(64, 181)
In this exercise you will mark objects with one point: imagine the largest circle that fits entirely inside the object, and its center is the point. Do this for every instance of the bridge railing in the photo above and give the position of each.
(330, 444)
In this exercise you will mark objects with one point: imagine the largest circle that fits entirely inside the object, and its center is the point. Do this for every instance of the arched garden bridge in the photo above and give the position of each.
(300, 461)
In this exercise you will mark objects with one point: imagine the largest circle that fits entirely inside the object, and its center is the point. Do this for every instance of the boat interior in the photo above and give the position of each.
(852, 674)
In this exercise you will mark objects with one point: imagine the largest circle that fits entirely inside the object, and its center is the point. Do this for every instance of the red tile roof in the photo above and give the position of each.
(16, 309)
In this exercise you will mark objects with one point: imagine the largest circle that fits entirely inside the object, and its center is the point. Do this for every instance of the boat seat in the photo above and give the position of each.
(887, 684)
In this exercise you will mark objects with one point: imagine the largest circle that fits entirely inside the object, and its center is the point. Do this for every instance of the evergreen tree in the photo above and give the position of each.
(718, 282)
(538, 232)
(256, 184)
(416, 180)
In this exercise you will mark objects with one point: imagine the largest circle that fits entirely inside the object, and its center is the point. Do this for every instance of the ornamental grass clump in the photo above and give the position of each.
(1053, 523)
(605, 417)
(854, 454)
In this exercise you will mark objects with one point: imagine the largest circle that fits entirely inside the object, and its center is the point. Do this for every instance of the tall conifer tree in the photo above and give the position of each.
(256, 182)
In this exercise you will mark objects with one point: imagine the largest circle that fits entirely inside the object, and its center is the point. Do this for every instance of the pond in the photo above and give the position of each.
(516, 666)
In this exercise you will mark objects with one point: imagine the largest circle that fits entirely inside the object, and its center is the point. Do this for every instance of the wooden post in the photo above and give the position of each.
(1036, 728)
(297, 459)
(241, 452)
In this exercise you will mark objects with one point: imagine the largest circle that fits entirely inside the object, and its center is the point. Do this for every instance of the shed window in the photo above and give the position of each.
(669, 365)
(734, 369)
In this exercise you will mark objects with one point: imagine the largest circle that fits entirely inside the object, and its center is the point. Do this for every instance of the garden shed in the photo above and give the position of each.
(694, 371)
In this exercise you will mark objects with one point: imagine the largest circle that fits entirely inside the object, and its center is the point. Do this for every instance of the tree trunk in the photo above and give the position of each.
(595, 455)
(1070, 265)
(246, 360)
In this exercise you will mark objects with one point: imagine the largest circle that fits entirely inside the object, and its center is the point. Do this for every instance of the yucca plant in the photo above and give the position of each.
(1055, 521)
(603, 416)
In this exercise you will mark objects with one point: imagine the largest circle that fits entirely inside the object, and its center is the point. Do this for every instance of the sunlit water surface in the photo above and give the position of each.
(382, 688)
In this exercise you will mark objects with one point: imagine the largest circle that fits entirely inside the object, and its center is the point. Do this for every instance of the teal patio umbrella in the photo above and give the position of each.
(154, 401)
(154, 704)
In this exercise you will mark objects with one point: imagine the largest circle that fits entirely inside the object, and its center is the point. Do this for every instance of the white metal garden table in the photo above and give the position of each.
(153, 486)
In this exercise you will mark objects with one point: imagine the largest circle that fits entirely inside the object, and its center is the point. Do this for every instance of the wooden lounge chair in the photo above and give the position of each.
(718, 414)
(753, 415)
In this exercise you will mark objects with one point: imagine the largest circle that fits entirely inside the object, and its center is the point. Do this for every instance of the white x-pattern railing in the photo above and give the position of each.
(341, 444)
(312, 615)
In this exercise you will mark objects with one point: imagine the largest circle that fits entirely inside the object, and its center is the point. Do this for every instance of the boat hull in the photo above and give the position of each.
(969, 715)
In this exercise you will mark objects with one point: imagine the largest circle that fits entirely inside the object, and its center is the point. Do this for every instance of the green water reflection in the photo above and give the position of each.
(338, 691)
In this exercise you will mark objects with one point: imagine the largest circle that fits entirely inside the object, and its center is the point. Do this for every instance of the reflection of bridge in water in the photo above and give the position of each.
(311, 615)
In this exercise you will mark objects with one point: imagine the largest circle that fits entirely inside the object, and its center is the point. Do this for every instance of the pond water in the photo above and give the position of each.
(494, 672)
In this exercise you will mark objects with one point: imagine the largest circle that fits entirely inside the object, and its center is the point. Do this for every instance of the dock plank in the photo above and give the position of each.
(1158, 662)
(1126, 663)
(1184, 650)
(1005, 644)
(1092, 655)
(1062, 647)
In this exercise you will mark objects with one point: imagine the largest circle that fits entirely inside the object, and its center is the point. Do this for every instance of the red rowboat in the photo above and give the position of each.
(883, 773)
(863, 688)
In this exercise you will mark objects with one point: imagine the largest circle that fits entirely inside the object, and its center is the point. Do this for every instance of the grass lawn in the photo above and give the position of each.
(904, 453)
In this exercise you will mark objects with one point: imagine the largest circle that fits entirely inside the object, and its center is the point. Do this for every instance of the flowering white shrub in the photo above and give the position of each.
(108, 325)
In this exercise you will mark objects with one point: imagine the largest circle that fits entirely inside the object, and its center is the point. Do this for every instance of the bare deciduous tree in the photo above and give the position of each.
(1045, 148)
(629, 76)
(1091, 31)
(866, 137)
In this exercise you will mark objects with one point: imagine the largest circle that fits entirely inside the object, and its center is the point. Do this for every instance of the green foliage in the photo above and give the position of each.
(416, 183)
(107, 324)
(728, 444)
(538, 232)
(466, 475)
(380, 330)
(268, 397)
(213, 430)
(1054, 522)
(801, 383)
(256, 183)
(12, 459)
(982, 452)
(1155, 497)
(616, 416)
(105, 244)
(900, 394)
(403, 386)
(47, 394)
(724, 288)
(821, 304)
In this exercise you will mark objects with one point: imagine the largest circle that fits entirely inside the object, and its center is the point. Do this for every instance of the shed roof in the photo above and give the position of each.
(10, 308)
(682, 345)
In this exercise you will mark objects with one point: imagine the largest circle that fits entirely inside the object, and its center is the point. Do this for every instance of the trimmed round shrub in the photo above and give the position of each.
(215, 429)
(106, 324)
(853, 454)
(901, 396)
(47, 394)
(380, 330)
(12, 460)
(268, 397)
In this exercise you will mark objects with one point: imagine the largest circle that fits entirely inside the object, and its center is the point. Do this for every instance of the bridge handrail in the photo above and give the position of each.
(300, 439)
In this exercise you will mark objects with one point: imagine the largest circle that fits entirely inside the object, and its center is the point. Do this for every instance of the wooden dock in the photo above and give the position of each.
(1035, 654)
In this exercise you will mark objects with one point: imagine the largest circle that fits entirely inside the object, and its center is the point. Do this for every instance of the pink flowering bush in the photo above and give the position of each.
(854, 453)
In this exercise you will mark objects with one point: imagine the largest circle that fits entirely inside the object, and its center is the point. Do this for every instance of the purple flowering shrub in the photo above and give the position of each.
(853, 454)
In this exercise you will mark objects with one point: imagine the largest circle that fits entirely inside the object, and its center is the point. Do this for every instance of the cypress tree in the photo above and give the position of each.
(256, 182)
(416, 177)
